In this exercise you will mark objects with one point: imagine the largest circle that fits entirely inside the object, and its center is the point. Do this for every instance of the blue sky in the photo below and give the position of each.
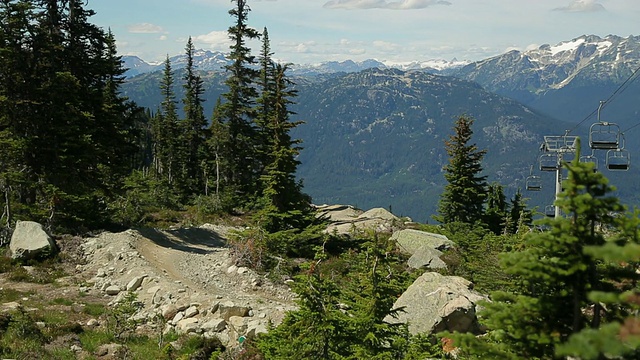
(395, 31)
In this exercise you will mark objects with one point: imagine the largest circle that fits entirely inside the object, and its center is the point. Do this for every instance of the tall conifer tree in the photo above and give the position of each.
(466, 190)
(193, 128)
(238, 110)
(556, 272)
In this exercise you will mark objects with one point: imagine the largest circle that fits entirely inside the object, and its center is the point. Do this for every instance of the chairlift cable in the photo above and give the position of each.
(624, 85)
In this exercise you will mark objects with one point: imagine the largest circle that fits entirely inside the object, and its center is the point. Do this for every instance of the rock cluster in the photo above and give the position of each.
(344, 219)
(199, 292)
(424, 248)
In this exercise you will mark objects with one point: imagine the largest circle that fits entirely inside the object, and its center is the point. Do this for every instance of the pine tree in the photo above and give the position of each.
(556, 273)
(316, 329)
(192, 129)
(284, 206)
(166, 129)
(619, 338)
(466, 190)
(238, 110)
(68, 115)
(496, 212)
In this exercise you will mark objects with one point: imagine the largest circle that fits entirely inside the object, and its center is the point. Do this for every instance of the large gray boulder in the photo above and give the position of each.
(410, 240)
(337, 213)
(435, 303)
(30, 241)
(346, 219)
(426, 258)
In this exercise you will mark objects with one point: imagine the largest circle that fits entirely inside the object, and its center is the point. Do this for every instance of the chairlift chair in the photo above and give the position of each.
(592, 159)
(550, 211)
(604, 136)
(618, 160)
(533, 183)
(549, 162)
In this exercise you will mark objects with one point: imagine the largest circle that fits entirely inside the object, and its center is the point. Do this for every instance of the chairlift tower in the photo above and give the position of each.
(555, 148)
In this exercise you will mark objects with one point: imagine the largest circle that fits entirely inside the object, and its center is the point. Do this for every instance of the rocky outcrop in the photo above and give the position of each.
(30, 241)
(345, 219)
(435, 303)
(424, 248)
(186, 283)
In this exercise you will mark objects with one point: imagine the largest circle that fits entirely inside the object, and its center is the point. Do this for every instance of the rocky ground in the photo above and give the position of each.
(186, 275)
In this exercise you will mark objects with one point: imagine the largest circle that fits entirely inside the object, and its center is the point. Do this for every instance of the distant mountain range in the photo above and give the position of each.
(567, 80)
(206, 60)
(374, 135)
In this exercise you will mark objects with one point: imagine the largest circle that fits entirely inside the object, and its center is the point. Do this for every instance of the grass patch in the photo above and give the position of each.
(93, 309)
(62, 301)
(91, 339)
(8, 295)
(6, 263)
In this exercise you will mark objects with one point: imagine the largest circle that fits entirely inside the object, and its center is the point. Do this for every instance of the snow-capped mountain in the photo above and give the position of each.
(585, 59)
(568, 80)
(215, 61)
(203, 60)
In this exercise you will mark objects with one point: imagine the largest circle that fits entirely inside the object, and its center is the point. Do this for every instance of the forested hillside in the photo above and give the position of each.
(375, 138)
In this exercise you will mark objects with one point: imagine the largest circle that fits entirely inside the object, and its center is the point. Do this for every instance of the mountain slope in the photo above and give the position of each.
(567, 80)
(376, 138)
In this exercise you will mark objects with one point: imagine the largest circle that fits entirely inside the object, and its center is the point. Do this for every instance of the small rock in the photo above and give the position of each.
(242, 270)
(113, 290)
(93, 323)
(186, 326)
(214, 325)
(191, 312)
(135, 283)
(232, 269)
(179, 316)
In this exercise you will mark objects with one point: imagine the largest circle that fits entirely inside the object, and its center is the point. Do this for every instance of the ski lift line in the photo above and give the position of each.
(624, 85)
(628, 81)
(632, 127)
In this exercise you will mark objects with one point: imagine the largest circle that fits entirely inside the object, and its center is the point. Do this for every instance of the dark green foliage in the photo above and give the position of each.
(556, 272)
(475, 256)
(61, 114)
(466, 190)
(192, 130)
(496, 212)
(238, 111)
(284, 206)
(347, 321)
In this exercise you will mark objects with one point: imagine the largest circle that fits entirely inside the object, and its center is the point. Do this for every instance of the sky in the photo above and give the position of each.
(391, 31)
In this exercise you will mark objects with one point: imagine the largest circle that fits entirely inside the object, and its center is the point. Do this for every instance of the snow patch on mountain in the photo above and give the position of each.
(567, 46)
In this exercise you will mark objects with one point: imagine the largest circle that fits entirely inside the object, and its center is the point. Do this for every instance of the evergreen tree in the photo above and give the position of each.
(284, 206)
(238, 110)
(68, 116)
(265, 102)
(519, 217)
(166, 129)
(496, 212)
(466, 190)
(619, 338)
(216, 145)
(192, 129)
(556, 272)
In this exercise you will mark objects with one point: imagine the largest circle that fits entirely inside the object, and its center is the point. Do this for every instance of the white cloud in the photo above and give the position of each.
(383, 4)
(386, 46)
(215, 40)
(162, 37)
(582, 6)
(145, 28)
